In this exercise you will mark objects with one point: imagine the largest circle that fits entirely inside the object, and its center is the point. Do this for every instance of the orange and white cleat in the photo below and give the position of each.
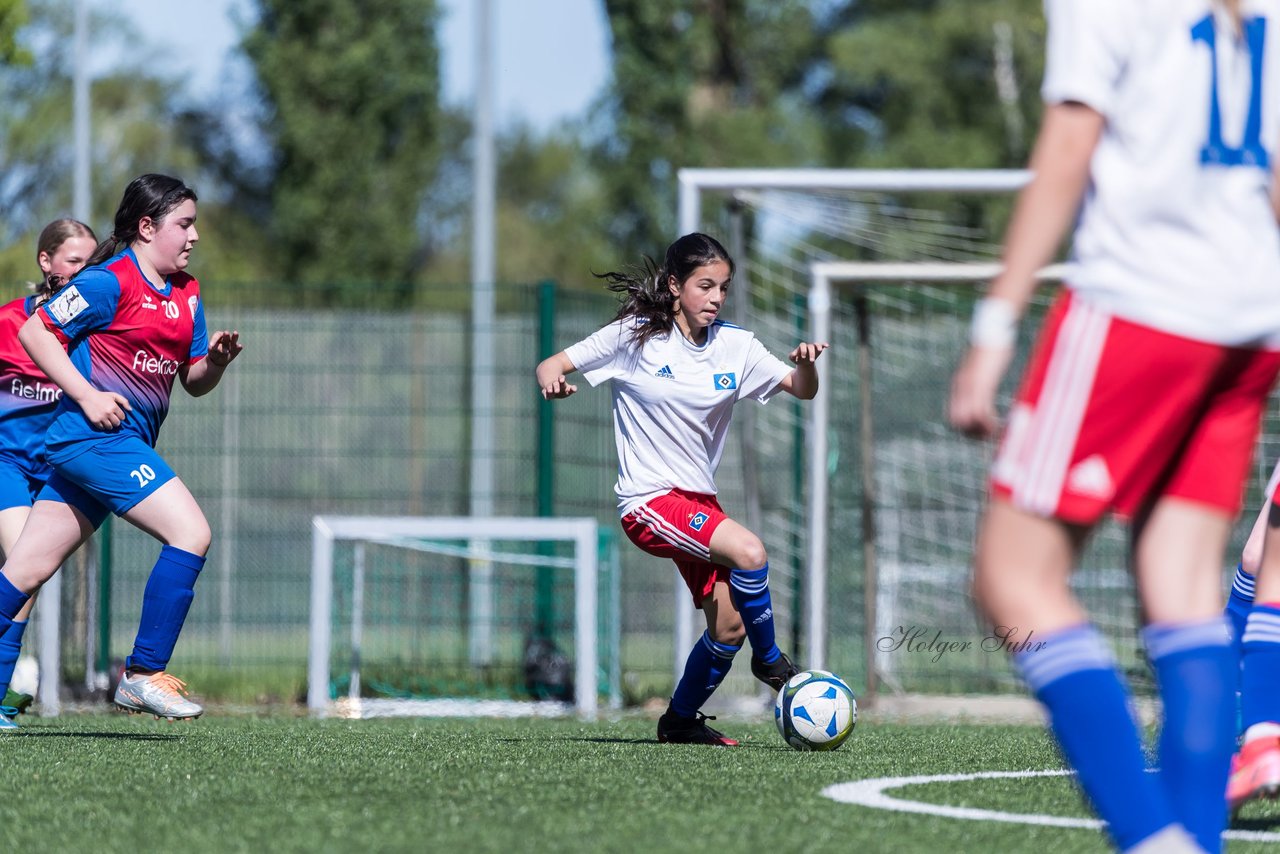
(159, 694)
(1255, 772)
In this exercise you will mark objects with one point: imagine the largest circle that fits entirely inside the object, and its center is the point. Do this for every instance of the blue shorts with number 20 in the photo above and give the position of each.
(115, 473)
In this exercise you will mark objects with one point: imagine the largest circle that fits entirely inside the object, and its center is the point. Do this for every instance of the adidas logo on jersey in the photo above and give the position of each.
(1091, 477)
(665, 373)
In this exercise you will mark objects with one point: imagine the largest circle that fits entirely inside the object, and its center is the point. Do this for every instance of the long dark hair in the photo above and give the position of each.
(149, 195)
(51, 238)
(644, 292)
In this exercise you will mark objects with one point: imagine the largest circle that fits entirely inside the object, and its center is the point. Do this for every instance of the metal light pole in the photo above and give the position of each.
(482, 328)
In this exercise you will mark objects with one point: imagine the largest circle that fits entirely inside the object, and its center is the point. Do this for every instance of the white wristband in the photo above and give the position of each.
(995, 323)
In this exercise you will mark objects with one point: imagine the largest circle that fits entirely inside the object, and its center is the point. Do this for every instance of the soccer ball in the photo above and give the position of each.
(815, 710)
(26, 676)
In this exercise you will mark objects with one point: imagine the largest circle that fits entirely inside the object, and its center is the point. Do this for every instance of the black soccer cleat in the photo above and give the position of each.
(774, 675)
(674, 729)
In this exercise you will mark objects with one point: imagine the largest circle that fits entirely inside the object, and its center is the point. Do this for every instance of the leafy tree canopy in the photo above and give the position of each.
(352, 102)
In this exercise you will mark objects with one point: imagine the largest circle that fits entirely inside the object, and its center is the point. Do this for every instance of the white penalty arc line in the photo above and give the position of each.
(872, 793)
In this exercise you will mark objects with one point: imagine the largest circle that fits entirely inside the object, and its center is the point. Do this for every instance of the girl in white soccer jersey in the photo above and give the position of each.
(114, 339)
(1146, 389)
(676, 371)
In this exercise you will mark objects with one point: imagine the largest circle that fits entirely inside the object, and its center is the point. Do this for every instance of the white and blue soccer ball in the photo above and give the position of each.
(815, 710)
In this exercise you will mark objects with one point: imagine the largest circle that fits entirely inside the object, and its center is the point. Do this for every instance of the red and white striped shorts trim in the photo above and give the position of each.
(678, 526)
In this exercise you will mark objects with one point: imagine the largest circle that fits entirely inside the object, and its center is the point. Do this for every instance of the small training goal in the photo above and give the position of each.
(433, 616)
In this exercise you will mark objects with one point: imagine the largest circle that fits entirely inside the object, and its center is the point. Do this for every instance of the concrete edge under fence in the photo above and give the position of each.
(987, 709)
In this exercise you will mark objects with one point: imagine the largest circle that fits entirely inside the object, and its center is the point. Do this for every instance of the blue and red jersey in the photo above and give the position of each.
(27, 397)
(127, 335)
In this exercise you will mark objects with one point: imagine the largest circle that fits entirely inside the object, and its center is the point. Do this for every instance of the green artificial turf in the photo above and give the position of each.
(236, 783)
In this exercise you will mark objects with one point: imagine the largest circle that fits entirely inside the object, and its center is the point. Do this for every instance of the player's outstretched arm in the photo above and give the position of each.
(552, 374)
(803, 381)
(1043, 213)
(202, 377)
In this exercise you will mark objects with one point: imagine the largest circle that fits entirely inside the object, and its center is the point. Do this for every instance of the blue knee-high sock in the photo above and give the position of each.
(1073, 674)
(11, 601)
(10, 646)
(709, 661)
(1260, 665)
(1238, 605)
(1196, 672)
(165, 603)
(750, 592)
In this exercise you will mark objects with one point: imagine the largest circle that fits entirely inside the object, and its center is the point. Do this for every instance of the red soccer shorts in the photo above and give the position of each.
(679, 525)
(1112, 415)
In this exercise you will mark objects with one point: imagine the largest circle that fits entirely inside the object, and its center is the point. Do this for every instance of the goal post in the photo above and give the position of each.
(431, 534)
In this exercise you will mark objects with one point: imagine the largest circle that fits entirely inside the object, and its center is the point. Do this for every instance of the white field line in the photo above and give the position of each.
(872, 793)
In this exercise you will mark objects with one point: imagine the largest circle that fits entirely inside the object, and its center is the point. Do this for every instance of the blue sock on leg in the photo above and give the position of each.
(708, 663)
(11, 601)
(1260, 664)
(1197, 673)
(165, 603)
(10, 646)
(1238, 605)
(750, 592)
(1075, 677)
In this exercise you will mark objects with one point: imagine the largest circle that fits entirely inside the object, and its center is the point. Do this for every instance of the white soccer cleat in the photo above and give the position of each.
(159, 694)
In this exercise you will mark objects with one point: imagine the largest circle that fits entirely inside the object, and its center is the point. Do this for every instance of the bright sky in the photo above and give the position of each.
(551, 55)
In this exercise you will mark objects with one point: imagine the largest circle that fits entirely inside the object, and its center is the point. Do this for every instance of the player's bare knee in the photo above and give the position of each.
(195, 538)
(751, 554)
(1251, 556)
(29, 577)
(993, 592)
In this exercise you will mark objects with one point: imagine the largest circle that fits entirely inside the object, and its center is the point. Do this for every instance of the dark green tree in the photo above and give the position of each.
(809, 83)
(708, 83)
(940, 84)
(351, 93)
(13, 15)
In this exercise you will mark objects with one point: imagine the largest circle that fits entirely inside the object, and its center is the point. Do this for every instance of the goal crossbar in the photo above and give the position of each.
(326, 531)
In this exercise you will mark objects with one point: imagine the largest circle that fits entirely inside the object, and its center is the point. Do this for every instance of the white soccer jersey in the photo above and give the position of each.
(1176, 231)
(672, 401)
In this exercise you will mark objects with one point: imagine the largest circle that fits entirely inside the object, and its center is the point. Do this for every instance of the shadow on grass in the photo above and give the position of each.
(601, 740)
(62, 733)
(1260, 823)
(743, 745)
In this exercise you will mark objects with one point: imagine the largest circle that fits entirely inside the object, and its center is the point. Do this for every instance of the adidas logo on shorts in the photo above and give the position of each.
(1091, 477)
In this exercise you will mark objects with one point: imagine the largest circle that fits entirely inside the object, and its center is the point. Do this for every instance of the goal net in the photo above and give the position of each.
(886, 265)
(436, 616)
